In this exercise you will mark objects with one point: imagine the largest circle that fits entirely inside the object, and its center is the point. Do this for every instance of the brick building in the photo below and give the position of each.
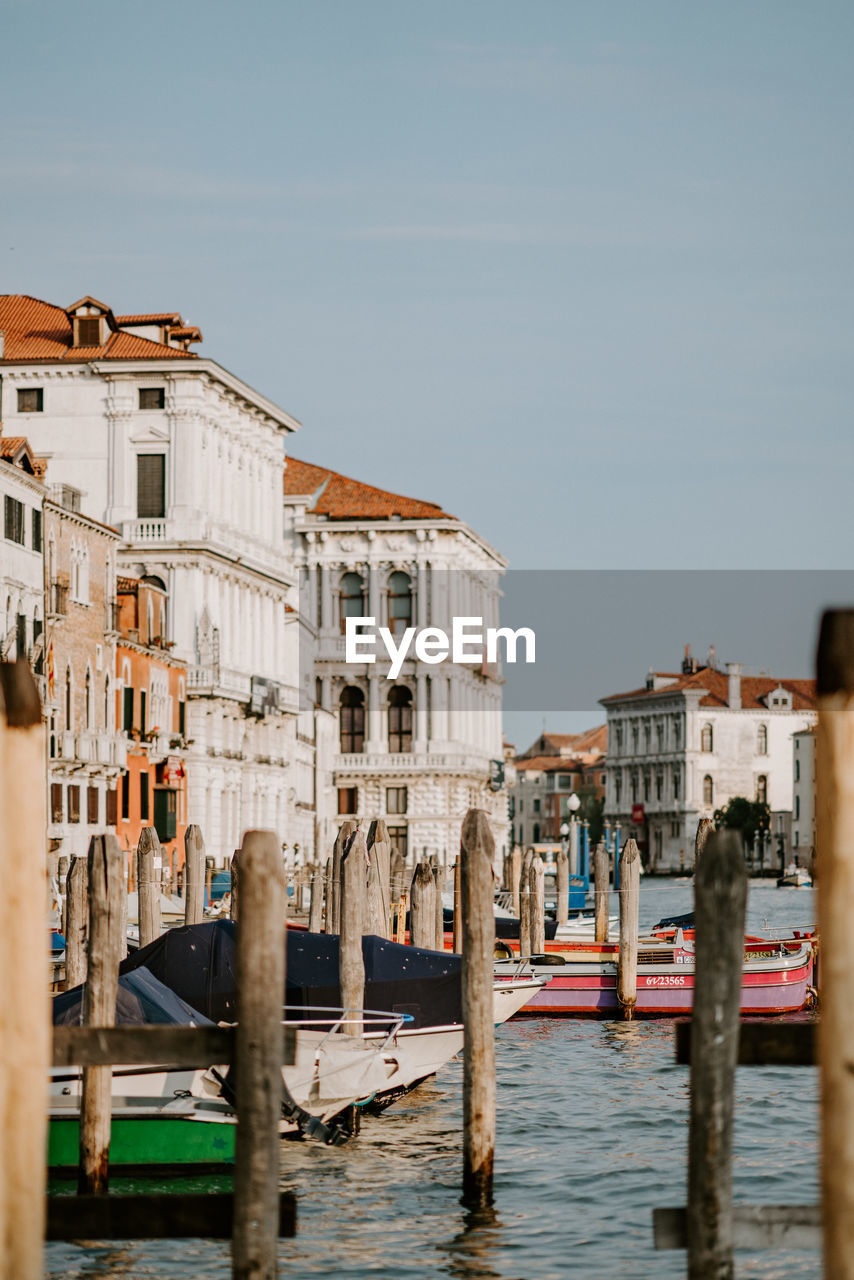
(555, 767)
(151, 698)
(85, 753)
(22, 495)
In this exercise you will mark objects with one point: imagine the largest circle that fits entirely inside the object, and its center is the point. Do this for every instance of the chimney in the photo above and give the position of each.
(734, 670)
(2, 342)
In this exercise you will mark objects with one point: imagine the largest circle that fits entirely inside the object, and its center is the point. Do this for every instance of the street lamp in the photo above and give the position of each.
(573, 804)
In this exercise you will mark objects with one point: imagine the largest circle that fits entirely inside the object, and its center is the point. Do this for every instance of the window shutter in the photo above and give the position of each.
(151, 486)
(127, 709)
(92, 805)
(89, 331)
(112, 808)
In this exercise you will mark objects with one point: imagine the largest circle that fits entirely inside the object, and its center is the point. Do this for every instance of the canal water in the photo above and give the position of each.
(592, 1134)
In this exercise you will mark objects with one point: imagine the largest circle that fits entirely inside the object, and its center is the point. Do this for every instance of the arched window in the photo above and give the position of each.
(90, 705)
(352, 720)
(762, 740)
(536, 833)
(318, 691)
(400, 719)
(706, 738)
(150, 622)
(708, 791)
(399, 602)
(351, 598)
(107, 703)
(68, 701)
(762, 789)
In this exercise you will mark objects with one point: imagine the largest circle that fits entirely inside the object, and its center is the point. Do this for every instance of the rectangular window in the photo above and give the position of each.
(536, 804)
(143, 797)
(89, 331)
(143, 722)
(125, 797)
(112, 808)
(152, 397)
(166, 812)
(13, 524)
(56, 802)
(37, 529)
(151, 486)
(73, 804)
(38, 627)
(348, 800)
(127, 709)
(21, 635)
(182, 718)
(395, 799)
(398, 839)
(30, 400)
(93, 806)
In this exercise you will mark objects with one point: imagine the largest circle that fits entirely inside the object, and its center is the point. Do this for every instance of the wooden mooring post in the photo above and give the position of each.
(478, 917)
(260, 974)
(315, 910)
(106, 883)
(194, 875)
(562, 878)
(629, 895)
(835, 864)
(601, 891)
(537, 905)
(458, 907)
(379, 852)
(25, 1042)
(149, 864)
(234, 904)
(345, 831)
(720, 900)
(438, 879)
(515, 879)
(77, 922)
(705, 828)
(350, 960)
(422, 907)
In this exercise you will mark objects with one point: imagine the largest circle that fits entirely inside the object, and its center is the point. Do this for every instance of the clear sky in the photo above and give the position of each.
(580, 272)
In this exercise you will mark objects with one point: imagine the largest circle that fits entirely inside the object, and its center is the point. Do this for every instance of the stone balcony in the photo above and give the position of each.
(387, 762)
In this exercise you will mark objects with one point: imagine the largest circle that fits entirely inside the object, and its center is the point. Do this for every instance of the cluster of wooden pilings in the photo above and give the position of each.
(356, 897)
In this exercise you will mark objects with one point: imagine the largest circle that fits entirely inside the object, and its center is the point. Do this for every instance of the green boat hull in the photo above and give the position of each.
(148, 1143)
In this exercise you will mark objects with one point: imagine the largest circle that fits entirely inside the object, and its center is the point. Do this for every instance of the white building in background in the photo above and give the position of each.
(22, 495)
(803, 793)
(420, 750)
(185, 460)
(686, 743)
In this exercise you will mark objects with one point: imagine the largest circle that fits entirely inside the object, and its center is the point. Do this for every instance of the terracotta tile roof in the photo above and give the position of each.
(339, 498)
(9, 445)
(548, 764)
(154, 317)
(37, 330)
(17, 451)
(126, 585)
(550, 745)
(754, 690)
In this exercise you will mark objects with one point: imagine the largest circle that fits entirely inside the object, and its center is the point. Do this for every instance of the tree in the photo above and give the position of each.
(746, 816)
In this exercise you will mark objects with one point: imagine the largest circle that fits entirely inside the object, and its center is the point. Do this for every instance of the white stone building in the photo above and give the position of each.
(803, 794)
(185, 460)
(419, 750)
(22, 494)
(686, 743)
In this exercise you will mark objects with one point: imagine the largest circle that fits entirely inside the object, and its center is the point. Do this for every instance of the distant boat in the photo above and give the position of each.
(795, 877)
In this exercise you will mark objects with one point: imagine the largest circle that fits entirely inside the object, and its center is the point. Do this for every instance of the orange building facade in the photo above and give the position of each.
(151, 694)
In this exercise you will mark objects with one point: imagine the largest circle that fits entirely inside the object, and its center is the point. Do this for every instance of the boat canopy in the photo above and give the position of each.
(197, 962)
(141, 999)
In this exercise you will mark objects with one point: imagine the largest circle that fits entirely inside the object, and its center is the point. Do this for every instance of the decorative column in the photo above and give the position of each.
(377, 740)
(325, 571)
(374, 611)
(420, 713)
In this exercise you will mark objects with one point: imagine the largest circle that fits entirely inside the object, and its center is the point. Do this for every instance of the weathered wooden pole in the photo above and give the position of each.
(478, 1012)
(345, 831)
(77, 922)
(562, 887)
(99, 1008)
(123, 908)
(149, 863)
(515, 879)
(234, 907)
(379, 852)
(835, 866)
(209, 870)
(458, 908)
(397, 875)
(705, 828)
(422, 908)
(601, 891)
(260, 980)
(25, 963)
(327, 897)
(315, 910)
(439, 943)
(351, 964)
(194, 875)
(627, 965)
(720, 899)
(537, 905)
